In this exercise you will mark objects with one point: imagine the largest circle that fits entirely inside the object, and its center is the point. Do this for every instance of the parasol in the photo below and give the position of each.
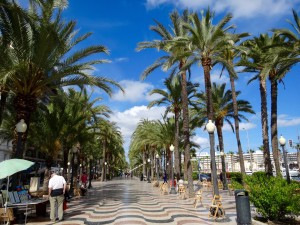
(10, 167)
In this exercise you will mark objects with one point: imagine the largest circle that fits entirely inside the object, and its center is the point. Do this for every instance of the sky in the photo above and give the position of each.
(121, 24)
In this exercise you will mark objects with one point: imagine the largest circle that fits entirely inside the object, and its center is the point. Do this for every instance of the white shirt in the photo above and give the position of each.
(56, 182)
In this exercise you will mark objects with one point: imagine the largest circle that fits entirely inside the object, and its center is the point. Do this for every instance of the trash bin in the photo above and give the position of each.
(242, 207)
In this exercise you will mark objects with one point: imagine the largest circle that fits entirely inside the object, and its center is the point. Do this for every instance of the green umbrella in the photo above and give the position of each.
(12, 166)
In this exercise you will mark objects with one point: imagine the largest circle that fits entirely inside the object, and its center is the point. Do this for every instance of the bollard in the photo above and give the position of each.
(242, 207)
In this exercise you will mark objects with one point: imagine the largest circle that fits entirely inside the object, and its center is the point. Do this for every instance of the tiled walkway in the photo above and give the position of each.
(130, 201)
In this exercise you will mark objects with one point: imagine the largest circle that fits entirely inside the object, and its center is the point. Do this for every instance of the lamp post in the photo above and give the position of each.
(156, 164)
(148, 173)
(251, 166)
(210, 127)
(74, 151)
(105, 164)
(68, 171)
(224, 177)
(172, 191)
(90, 177)
(80, 170)
(282, 142)
(21, 128)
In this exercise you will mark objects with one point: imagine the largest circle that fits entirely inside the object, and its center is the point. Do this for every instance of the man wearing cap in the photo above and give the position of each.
(57, 188)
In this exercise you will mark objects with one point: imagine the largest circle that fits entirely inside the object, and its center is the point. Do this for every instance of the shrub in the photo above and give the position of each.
(273, 197)
(195, 175)
(235, 176)
(236, 185)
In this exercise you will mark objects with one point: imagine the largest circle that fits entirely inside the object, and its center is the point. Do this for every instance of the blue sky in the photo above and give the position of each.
(120, 25)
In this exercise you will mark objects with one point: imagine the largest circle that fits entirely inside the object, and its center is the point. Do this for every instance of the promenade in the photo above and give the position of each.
(130, 201)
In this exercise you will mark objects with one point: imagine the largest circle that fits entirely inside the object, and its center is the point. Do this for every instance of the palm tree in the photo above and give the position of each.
(253, 63)
(268, 61)
(172, 99)
(208, 41)
(42, 58)
(278, 64)
(107, 132)
(176, 59)
(226, 60)
(223, 111)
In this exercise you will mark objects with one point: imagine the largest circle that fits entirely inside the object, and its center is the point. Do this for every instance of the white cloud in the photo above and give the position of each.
(135, 91)
(240, 9)
(128, 119)
(200, 141)
(215, 77)
(287, 121)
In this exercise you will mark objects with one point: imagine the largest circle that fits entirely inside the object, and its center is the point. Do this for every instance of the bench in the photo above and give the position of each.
(198, 198)
(181, 191)
(216, 209)
(164, 188)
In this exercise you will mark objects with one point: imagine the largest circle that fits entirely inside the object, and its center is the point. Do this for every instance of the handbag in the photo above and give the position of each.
(65, 206)
(57, 192)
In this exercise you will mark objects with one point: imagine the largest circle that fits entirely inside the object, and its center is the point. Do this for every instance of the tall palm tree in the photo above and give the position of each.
(178, 54)
(278, 64)
(208, 41)
(293, 36)
(42, 56)
(172, 99)
(107, 132)
(223, 110)
(227, 61)
(270, 62)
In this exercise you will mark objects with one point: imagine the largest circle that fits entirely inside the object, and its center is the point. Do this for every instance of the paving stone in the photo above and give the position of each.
(131, 201)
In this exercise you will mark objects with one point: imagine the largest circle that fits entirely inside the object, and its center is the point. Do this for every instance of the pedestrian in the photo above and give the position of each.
(165, 177)
(57, 188)
(142, 176)
(84, 179)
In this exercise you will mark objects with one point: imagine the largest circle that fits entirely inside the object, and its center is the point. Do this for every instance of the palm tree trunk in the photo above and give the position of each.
(176, 145)
(221, 144)
(237, 126)
(4, 95)
(144, 162)
(274, 131)
(186, 134)
(65, 160)
(103, 161)
(265, 127)
(206, 63)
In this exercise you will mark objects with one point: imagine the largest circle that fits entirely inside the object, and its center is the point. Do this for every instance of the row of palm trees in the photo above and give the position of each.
(44, 76)
(193, 39)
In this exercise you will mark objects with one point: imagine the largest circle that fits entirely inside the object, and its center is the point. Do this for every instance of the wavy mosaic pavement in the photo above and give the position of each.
(134, 202)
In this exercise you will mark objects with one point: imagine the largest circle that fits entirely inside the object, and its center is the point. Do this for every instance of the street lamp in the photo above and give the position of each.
(105, 164)
(21, 128)
(224, 177)
(282, 142)
(172, 191)
(91, 166)
(157, 162)
(210, 127)
(74, 151)
(68, 171)
(251, 166)
(148, 174)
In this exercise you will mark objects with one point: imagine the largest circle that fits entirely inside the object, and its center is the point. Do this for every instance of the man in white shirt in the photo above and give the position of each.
(57, 187)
